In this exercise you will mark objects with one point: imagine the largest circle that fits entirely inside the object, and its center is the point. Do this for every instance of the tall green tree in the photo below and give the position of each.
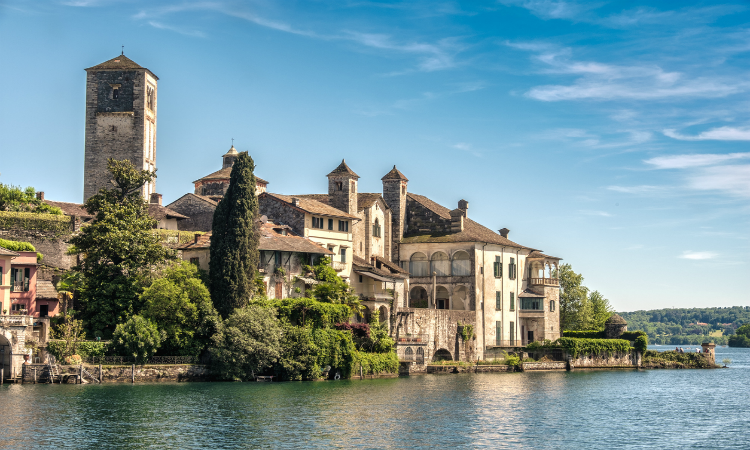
(234, 242)
(574, 302)
(599, 311)
(117, 250)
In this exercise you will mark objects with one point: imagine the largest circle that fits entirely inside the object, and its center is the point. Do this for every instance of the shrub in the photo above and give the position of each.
(641, 344)
(138, 337)
(309, 312)
(633, 335)
(588, 334)
(376, 363)
(17, 246)
(299, 355)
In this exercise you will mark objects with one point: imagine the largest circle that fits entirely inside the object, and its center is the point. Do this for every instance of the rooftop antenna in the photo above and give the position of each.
(123, 50)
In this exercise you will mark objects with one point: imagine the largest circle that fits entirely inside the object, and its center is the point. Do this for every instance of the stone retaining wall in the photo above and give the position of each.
(551, 365)
(121, 373)
(606, 361)
(434, 368)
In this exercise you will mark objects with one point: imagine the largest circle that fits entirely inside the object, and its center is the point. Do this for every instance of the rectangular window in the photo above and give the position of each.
(343, 255)
(512, 301)
(195, 261)
(1, 275)
(19, 279)
(534, 304)
(512, 333)
(498, 333)
(330, 224)
(512, 269)
(498, 300)
(115, 94)
(317, 222)
(277, 256)
(344, 225)
(498, 267)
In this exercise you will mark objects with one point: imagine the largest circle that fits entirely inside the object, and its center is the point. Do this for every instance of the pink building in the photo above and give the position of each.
(27, 295)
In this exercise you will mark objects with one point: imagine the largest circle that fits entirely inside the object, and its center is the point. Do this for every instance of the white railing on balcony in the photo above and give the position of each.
(545, 281)
(338, 266)
(16, 320)
(412, 339)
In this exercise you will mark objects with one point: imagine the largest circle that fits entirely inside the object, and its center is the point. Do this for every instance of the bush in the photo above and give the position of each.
(673, 359)
(336, 349)
(138, 337)
(641, 344)
(376, 363)
(299, 355)
(309, 312)
(588, 334)
(633, 335)
(17, 246)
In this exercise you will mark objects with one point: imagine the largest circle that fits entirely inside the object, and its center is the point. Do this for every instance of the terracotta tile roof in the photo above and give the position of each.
(473, 232)
(5, 252)
(225, 174)
(538, 254)
(270, 240)
(159, 212)
(70, 209)
(45, 289)
(394, 174)
(343, 169)
(361, 265)
(311, 205)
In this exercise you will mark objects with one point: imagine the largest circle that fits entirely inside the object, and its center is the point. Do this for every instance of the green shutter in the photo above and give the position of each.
(499, 333)
(512, 301)
(498, 300)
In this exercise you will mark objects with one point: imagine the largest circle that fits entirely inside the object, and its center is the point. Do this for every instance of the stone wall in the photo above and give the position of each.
(605, 361)
(53, 245)
(120, 373)
(550, 365)
(282, 214)
(200, 213)
(440, 328)
(420, 220)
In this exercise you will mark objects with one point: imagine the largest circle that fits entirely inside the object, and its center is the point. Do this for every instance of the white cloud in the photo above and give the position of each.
(468, 148)
(595, 213)
(698, 255)
(697, 160)
(734, 180)
(719, 134)
(432, 57)
(179, 30)
(642, 189)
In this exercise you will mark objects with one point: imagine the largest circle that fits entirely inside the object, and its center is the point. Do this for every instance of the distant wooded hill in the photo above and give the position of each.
(688, 326)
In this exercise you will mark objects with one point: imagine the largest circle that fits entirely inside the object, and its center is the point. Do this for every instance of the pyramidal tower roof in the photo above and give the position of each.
(343, 169)
(120, 62)
(394, 174)
(232, 152)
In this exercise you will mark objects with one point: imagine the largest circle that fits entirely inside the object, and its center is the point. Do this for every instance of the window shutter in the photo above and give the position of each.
(512, 301)
(498, 300)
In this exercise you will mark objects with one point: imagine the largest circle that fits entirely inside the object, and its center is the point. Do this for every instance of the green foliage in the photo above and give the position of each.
(641, 344)
(332, 288)
(234, 242)
(584, 346)
(673, 359)
(726, 362)
(378, 340)
(375, 363)
(586, 334)
(70, 331)
(55, 224)
(174, 236)
(633, 335)
(688, 326)
(247, 343)
(138, 337)
(118, 250)
(13, 198)
(299, 355)
(179, 303)
(580, 310)
(599, 310)
(84, 349)
(467, 331)
(741, 337)
(308, 311)
(336, 349)
(17, 246)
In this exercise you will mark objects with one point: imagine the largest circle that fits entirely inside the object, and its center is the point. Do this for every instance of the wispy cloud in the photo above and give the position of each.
(432, 56)
(595, 213)
(179, 30)
(697, 160)
(718, 134)
(734, 180)
(698, 255)
(468, 148)
(642, 189)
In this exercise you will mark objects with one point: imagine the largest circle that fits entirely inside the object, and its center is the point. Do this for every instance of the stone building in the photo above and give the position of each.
(199, 206)
(282, 257)
(121, 99)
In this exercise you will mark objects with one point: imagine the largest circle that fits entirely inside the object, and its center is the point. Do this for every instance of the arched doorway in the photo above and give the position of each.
(419, 266)
(6, 357)
(442, 355)
(408, 354)
(441, 298)
(440, 264)
(418, 297)
(420, 355)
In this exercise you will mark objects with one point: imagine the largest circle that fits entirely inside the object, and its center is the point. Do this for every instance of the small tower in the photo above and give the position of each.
(120, 121)
(394, 194)
(229, 157)
(342, 188)
(615, 326)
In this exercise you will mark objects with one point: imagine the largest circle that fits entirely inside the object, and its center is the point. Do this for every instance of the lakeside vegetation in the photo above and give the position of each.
(688, 326)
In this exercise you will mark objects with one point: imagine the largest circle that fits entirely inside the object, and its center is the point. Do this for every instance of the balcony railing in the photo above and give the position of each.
(544, 281)
(338, 266)
(419, 359)
(16, 320)
(505, 343)
(412, 339)
(19, 286)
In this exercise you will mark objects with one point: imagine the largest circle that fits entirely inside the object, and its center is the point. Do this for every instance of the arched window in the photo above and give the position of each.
(418, 297)
(441, 298)
(376, 229)
(408, 354)
(440, 264)
(419, 266)
(551, 305)
(461, 264)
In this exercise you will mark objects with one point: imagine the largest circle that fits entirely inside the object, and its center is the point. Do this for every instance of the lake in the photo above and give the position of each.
(549, 410)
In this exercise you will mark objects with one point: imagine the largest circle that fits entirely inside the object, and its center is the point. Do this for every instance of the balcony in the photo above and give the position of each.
(412, 339)
(19, 286)
(338, 266)
(16, 320)
(544, 281)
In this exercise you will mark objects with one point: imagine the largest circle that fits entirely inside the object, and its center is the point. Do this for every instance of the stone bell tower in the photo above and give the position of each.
(394, 194)
(120, 121)
(342, 188)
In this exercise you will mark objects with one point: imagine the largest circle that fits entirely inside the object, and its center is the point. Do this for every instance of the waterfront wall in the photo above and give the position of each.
(606, 361)
(120, 373)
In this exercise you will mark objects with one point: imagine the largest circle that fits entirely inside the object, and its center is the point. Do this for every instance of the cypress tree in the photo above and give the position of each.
(234, 242)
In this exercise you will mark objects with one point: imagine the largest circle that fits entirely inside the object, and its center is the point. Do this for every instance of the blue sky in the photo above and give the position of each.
(612, 134)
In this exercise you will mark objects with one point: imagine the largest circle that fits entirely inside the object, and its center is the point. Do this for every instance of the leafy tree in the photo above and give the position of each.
(180, 304)
(13, 198)
(332, 288)
(247, 343)
(118, 249)
(599, 311)
(299, 355)
(138, 337)
(741, 337)
(574, 303)
(234, 242)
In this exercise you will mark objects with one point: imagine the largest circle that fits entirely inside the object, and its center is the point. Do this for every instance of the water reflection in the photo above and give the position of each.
(580, 409)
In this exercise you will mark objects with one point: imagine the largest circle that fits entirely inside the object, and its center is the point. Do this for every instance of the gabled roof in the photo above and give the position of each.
(310, 205)
(473, 232)
(360, 265)
(225, 174)
(343, 169)
(159, 212)
(119, 62)
(270, 240)
(45, 289)
(364, 199)
(538, 254)
(70, 209)
(5, 252)
(394, 174)
(199, 197)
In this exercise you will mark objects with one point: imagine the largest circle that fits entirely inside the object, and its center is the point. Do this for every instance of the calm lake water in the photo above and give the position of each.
(580, 409)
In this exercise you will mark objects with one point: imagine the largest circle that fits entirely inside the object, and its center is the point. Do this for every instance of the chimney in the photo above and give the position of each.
(457, 220)
(40, 195)
(295, 201)
(463, 205)
(504, 232)
(156, 198)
